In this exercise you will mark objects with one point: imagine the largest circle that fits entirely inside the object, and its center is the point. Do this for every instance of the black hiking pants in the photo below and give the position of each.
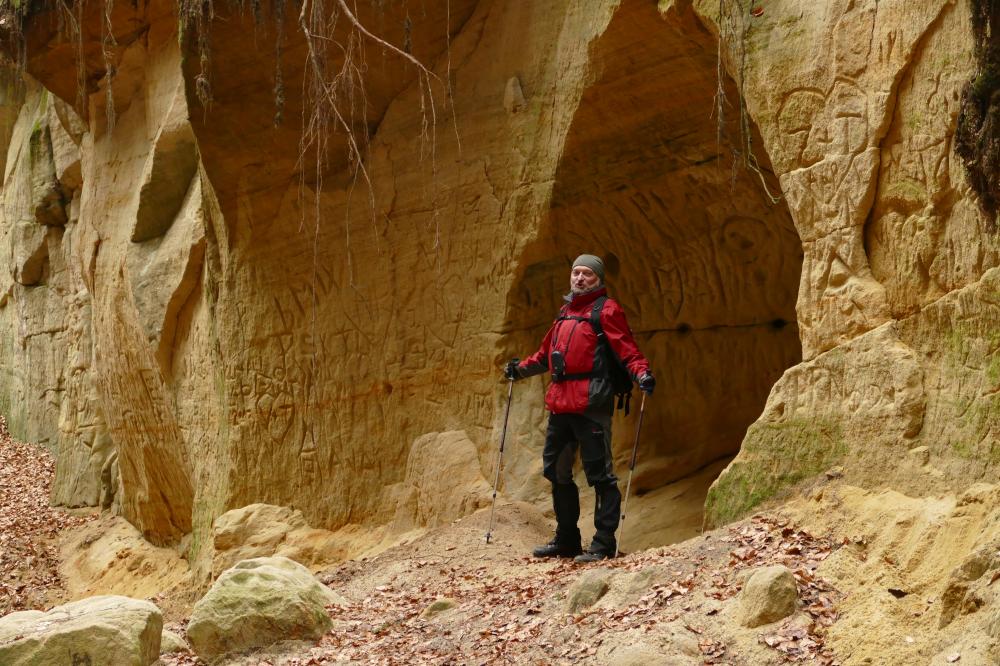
(567, 433)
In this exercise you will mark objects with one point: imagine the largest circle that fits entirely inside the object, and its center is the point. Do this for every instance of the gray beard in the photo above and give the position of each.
(574, 293)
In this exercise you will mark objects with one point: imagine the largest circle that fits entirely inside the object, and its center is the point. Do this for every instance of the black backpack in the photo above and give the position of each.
(621, 380)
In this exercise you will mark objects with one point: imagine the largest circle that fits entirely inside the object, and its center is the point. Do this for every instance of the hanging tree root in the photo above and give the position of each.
(734, 24)
(336, 99)
(977, 137)
(335, 95)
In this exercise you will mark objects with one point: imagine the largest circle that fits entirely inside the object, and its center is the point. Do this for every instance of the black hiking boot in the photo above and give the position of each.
(592, 556)
(556, 548)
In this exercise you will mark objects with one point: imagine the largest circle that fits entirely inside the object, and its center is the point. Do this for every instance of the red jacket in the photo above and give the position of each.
(577, 341)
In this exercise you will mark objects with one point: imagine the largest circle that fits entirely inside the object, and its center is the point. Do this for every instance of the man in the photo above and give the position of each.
(580, 401)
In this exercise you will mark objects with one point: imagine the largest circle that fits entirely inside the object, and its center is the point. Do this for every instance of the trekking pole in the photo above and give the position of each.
(503, 437)
(631, 468)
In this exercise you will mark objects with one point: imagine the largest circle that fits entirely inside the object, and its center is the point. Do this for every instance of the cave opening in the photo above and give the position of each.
(705, 264)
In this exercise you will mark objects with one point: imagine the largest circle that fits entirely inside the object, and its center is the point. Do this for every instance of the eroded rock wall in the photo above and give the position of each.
(245, 351)
(118, 206)
(347, 339)
(207, 324)
(47, 385)
(857, 104)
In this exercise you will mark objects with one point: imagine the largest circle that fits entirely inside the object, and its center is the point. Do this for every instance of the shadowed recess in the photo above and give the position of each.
(706, 267)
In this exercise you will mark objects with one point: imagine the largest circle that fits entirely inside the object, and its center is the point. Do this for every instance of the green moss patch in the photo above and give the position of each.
(775, 456)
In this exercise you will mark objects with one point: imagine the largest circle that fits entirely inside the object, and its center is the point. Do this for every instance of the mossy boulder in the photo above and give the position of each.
(109, 630)
(257, 603)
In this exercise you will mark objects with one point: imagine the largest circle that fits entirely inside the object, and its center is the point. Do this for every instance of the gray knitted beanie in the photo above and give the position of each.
(592, 262)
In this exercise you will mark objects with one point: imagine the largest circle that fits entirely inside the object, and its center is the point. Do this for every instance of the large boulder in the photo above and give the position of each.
(770, 594)
(105, 630)
(263, 530)
(255, 525)
(257, 603)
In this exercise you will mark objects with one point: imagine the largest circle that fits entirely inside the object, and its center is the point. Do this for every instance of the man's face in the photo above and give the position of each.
(582, 279)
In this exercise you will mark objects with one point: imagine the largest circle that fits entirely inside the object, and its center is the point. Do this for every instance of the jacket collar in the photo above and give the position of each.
(580, 300)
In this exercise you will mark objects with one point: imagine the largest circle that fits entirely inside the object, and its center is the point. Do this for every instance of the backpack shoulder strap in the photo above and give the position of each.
(623, 394)
(595, 318)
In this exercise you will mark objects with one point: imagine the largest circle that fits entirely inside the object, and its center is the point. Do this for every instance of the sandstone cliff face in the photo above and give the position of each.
(196, 322)
(857, 105)
(47, 346)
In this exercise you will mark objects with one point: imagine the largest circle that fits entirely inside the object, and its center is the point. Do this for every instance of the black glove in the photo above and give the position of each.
(510, 370)
(647, 383)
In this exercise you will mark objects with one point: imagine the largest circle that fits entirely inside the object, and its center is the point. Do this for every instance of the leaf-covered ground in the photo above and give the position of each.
(884, 590)
(29, 577)
(507, 608)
